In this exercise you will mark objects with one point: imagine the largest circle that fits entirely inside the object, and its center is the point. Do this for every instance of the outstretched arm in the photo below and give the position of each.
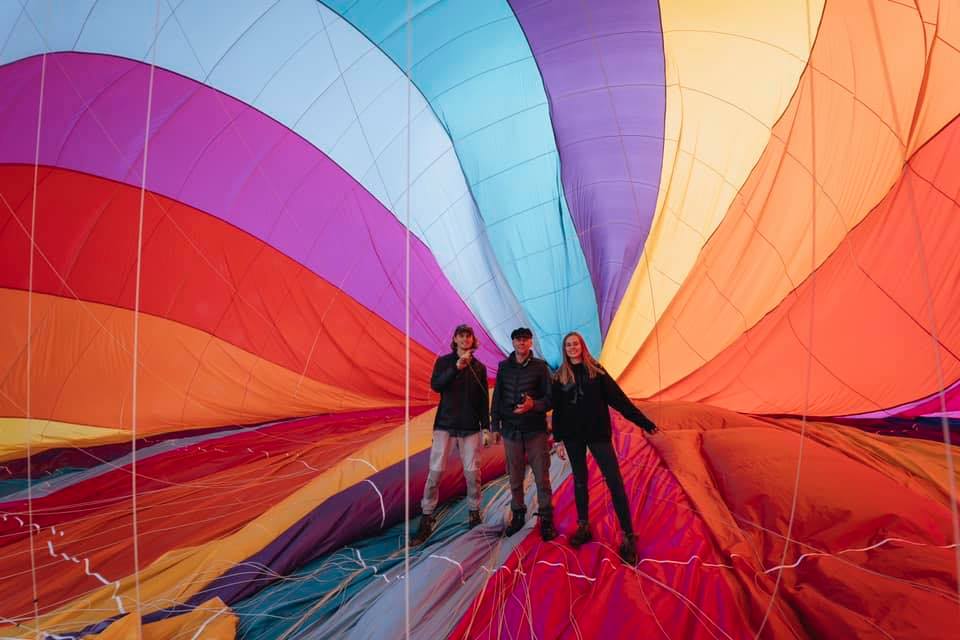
(617, 399)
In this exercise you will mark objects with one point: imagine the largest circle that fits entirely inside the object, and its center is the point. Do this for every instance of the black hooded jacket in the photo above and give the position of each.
(513, 380)
(463, 395)
(581, 408)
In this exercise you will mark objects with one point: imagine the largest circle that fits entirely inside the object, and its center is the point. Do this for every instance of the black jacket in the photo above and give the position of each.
(513, 380)
(463, 395)
(581, 408)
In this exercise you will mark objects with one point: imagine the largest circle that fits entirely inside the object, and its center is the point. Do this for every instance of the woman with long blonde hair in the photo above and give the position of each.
(582, 396)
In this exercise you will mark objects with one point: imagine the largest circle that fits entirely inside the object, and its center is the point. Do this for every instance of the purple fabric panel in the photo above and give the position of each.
(929, 406)
(221, 156)
(602, 67)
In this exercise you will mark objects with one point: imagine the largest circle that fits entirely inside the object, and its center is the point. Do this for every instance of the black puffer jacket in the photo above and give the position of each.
(463, 395)
(513, 380)
(581, 408)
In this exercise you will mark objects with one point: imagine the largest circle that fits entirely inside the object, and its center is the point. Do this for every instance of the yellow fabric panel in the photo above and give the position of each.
(731, 68)
(212, 619)
(839, 147)
(82, 369)
(50, 434)
(180, 574)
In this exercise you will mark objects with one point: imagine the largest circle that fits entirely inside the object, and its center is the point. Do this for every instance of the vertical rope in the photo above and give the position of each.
(136, 321)
(406, 339)
(33, 249)
(809, 372)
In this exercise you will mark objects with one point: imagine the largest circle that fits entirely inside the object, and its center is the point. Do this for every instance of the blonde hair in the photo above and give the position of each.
(564, 374)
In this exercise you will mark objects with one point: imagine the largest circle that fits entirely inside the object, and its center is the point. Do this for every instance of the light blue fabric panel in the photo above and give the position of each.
(473, 64)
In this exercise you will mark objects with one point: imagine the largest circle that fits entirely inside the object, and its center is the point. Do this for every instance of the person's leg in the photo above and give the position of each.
(439, 451)
(469, 447)
(516, 468)
(606, 457)
(539, 454)
(577, 452)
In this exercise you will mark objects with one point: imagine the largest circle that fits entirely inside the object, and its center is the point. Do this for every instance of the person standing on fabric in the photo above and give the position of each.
(461, 381)
(521, 399)
(582, 395)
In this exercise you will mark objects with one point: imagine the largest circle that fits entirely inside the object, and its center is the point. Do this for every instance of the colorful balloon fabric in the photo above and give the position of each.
(235, 236)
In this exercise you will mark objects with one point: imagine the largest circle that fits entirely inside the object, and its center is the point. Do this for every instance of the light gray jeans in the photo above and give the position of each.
(443, 443)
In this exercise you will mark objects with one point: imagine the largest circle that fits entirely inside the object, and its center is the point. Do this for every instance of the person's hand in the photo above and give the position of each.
(464, 361)
(486, 437)
(561, 450)
(525, 405)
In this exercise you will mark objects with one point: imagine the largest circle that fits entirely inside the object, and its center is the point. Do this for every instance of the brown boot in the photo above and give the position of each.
(427, 523)
(517, 522)
(628, 549)
(582, 536)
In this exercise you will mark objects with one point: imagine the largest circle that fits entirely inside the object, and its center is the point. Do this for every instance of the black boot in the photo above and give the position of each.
(474, 519)
(426, 528)
(516, 523)
(582, 536)
(628, 549)
(547, 531)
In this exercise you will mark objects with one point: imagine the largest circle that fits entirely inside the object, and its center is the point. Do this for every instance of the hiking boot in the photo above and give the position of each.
(582, 535)
(427, 521)
(547, 531)
(516, 523)
(628, 549)
(474, 519)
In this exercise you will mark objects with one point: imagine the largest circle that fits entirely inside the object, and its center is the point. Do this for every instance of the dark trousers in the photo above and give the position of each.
(606, 459)
(520, 449)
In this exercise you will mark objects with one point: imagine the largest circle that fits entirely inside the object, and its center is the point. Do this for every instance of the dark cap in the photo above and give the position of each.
(521, 332)
(463, 328)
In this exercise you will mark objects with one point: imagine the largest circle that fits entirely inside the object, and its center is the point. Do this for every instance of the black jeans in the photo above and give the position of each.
(606, 459)
(519, 449)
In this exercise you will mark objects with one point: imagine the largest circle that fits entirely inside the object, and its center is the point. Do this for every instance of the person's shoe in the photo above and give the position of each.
(582, 535)
(547, 531)
(628, 549)
(426, 528)
(516, 523)
(474, 519)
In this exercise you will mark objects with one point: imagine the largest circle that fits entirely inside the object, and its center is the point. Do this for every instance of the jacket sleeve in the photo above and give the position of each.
(443, 374)
(542, 402)
(495, 403)
(617, 399)
(485, 387)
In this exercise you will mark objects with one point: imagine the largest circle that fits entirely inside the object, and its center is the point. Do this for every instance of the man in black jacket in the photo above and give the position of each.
(461, 381)
(521, 399)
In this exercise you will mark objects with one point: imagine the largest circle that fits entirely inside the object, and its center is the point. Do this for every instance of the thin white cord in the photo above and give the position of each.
(136, 323)
(33, 244)
(807, 383)
(406, 339)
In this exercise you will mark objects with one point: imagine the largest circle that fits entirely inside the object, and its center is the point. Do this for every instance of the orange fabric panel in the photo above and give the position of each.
(871, 303)
(835, 153)
(82, 372)
(211, 620)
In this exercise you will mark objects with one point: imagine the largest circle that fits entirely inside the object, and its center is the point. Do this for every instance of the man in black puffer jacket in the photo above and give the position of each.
(521, 399)
(461, 381)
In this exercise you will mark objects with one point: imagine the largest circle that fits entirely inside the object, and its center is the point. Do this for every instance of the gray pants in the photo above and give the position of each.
(468, 446)
(533, 448)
